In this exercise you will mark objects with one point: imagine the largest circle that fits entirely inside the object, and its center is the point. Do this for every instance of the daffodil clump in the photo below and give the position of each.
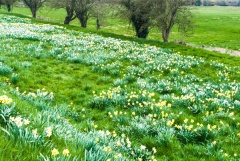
(5, 99)
(5, 69)
(40, 94)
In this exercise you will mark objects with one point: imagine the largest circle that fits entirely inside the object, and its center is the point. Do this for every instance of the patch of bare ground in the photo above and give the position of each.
(223, 50)
(214, 49)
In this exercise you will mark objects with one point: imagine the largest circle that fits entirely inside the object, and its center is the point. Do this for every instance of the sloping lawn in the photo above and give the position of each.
(69, 95)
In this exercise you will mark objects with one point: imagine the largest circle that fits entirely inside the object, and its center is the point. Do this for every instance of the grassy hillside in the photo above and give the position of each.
(70, 95)
(215, 26)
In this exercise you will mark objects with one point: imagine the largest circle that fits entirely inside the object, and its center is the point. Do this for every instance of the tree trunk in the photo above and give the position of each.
(69, 16)
(34, 12)
(67, 20)
(98, 24)
(8, 7)
(141, 32)
(82, 17)
(141, 26)
(166, 28)
(165, 34)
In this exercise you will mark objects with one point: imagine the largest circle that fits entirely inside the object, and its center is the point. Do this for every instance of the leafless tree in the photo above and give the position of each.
(68, 5)
(80, 9)
(166, 12)
(34, 5)
(138, 13)
(99, 11)
(8, 3)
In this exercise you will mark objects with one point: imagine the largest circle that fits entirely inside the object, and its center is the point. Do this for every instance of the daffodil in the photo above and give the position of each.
(142, 147)
(48, 131)
(26, 122)
(34, 132)
(97, 140)
(118, 143)
(65, 152)
(55, 152)
(154, 150)
(5, 99)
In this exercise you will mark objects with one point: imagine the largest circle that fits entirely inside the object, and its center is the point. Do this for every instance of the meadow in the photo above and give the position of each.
(214, 26)
(71, 95)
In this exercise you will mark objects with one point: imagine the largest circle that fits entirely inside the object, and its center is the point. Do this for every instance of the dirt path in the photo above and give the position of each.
(224, 51)
(218, 49)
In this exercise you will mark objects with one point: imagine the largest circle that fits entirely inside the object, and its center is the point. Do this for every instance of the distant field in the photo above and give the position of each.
(215, 26)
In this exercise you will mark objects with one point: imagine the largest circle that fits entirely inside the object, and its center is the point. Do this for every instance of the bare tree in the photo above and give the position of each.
(68, 5)
(34, 5)
(165, 12)
(8, 3)
(198, 2)
(80, 9)
(206, 3)
(138, 12)
(99, 11)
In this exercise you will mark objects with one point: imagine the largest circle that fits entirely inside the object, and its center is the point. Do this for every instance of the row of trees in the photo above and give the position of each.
(142, 14)
(8, 4)
(217, 3)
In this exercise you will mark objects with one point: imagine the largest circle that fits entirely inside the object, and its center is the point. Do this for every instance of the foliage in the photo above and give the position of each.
(79, 9)
(8, 3)
(139, 15)
(34, 5)
(165, 13)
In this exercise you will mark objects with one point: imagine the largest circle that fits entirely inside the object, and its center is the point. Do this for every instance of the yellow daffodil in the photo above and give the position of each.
(34, 132)
(97, 140)
(5, 100)
(65, 152)
(55, 152)
(48, 131)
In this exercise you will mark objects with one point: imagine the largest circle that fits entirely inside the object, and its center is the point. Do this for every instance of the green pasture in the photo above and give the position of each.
(214, 26)
(217, 26)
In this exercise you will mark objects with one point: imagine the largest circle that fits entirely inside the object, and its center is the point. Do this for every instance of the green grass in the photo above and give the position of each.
(217, 26)
(126, 87)
(214, 26)
(56, 17)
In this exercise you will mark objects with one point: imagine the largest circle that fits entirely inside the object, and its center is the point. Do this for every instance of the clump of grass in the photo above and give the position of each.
(15, 78)
(26, 64)
(4, 69)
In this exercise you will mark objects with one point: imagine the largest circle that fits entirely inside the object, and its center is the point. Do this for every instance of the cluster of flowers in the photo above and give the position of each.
(39, 94)
(19, 121)
(5, 99)
(65, 152)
